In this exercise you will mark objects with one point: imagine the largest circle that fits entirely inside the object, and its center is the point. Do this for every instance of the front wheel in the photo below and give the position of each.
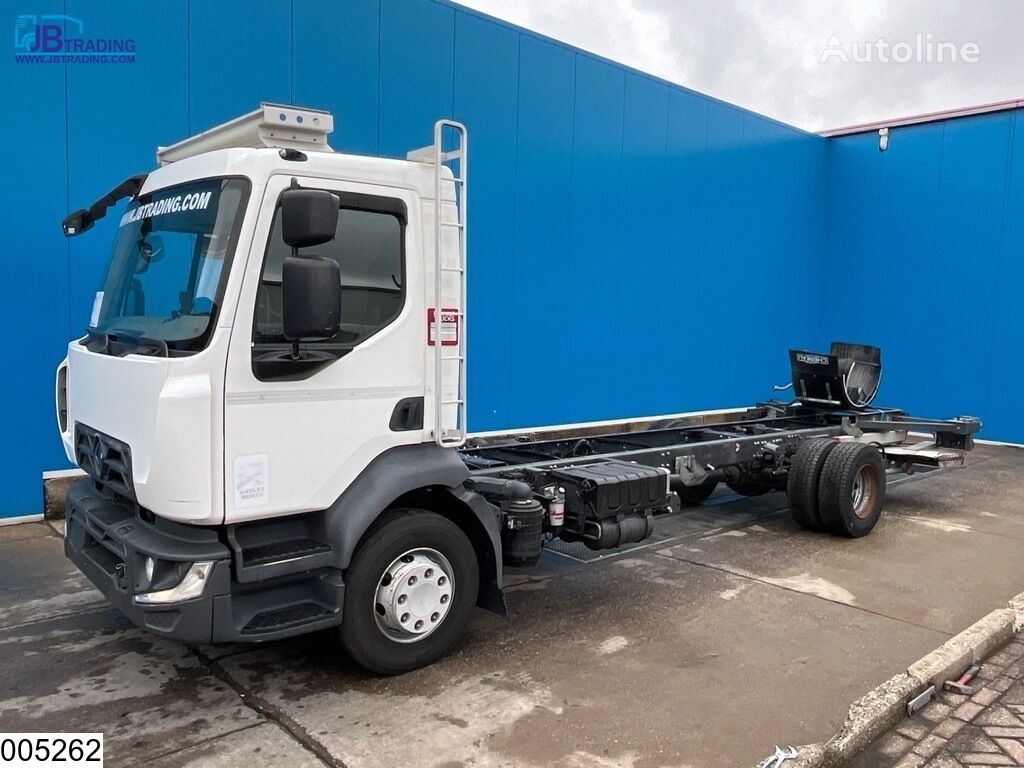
(410, 590)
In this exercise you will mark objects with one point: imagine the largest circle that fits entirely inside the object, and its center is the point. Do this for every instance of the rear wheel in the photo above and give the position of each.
(410, 590)
(695, 495)
(852, 489)
(803, 481)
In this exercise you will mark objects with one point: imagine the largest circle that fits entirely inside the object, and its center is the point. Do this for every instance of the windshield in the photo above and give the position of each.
(165, 277)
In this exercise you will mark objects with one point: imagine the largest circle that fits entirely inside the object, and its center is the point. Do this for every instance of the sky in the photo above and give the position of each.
(816, 64)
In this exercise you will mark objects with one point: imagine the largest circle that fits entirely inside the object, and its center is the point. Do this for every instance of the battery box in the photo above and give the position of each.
(612, 488)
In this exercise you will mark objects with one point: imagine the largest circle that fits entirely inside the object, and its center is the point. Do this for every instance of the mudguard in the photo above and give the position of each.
(394, 473)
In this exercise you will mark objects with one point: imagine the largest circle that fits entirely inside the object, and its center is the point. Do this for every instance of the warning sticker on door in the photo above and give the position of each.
(449, 327)
(251, 480)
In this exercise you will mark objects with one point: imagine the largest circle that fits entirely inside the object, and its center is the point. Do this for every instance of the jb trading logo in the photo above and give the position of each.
(58, 39)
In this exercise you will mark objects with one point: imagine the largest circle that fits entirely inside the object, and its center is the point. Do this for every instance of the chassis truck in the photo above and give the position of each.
(269, 406)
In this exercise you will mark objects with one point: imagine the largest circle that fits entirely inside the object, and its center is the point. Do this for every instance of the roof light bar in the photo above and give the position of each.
(272, 125)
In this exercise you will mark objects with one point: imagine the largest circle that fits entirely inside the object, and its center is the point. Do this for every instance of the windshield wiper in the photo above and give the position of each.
(120, 343)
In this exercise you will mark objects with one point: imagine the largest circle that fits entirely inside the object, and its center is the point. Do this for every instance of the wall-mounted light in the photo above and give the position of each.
(883, 139)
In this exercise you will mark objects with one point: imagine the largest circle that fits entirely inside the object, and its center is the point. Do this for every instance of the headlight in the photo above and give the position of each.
(191, 585)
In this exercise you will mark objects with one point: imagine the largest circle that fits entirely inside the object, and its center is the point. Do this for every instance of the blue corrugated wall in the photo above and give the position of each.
(635, 247)
(624, 232)
(926, 259)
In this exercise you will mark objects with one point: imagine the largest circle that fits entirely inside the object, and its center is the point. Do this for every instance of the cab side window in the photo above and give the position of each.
(369, 248)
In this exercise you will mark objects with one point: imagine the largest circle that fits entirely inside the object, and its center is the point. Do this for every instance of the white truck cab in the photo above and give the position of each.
(192, 397)
(270, 407)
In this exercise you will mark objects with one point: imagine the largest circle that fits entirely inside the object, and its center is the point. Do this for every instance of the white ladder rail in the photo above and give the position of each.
(456, 436)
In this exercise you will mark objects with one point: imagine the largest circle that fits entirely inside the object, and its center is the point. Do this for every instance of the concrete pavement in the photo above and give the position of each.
(730, 632)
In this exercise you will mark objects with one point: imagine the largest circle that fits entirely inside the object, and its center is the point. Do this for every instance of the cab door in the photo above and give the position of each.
(297, 432)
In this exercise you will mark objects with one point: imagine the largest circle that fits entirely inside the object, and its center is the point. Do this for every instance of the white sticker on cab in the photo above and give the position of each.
(252, 480)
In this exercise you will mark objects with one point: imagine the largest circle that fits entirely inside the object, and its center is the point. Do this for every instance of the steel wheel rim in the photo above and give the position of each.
(414, 595)
(863, 492)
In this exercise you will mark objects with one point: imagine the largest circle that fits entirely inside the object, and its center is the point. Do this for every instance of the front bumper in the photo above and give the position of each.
(110, 543)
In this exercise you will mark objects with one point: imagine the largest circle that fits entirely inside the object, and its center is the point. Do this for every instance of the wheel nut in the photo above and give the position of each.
(441, 581)
(405, 618)
(435, 616)
(418, 625)
(428, 573)
(402, 599)
(412, 580)
(444, 599)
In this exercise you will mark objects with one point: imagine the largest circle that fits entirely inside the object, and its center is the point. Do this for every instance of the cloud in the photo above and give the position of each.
(766, 55)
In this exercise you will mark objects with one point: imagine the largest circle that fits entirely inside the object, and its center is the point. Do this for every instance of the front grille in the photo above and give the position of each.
(107, 460)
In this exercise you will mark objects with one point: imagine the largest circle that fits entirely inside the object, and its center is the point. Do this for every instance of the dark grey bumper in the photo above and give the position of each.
(109, 542)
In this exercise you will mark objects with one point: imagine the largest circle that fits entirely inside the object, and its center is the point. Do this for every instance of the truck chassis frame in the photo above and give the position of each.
(766, 435)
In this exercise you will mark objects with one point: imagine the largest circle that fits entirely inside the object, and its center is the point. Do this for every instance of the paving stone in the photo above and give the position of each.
(911, 761)
(935, 712)
(972, 739)
(984, 758)
(987, 672)
(943, 761)
(1000, 716)
(1013, 748)
(893, 745)
(968, 711)
(953, 699)
(947, 729)
(1015, 695)
(985, 696)
(997, 732)
(913, 729)
(1012, 652)
(930, 745)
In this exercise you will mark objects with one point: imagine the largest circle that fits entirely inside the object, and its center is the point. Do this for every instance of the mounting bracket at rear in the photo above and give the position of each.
(847, 378)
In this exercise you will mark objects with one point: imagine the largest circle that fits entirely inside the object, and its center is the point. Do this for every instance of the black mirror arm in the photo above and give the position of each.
(128, 188)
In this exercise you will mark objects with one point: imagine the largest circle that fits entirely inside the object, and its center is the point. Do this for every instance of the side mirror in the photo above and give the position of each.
(308, 217)
(78, 222)
(311, 297)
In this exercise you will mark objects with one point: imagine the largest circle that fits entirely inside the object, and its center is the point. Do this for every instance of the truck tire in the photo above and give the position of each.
(695, 495)
(852, 489)
(804, 479)
(409, 592)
